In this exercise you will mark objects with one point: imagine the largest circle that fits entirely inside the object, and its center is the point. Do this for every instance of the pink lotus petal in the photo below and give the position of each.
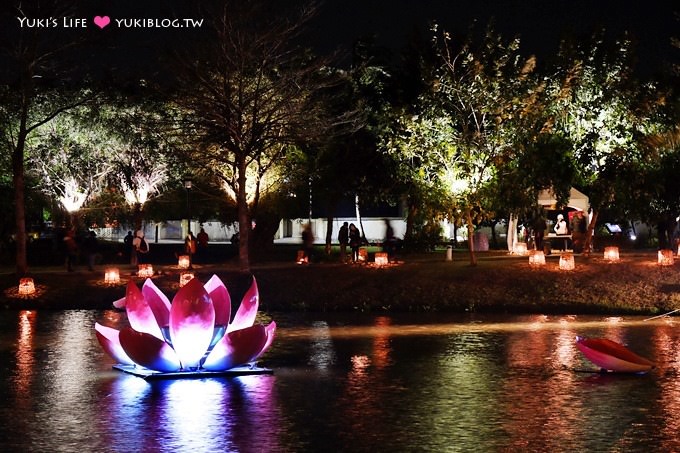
(148, 351)
(221, 300)
(271, 331)
(237, 348)
(139, 313)
(192, 320)
(109, 339)
(119, 303)
(247, 311)
(158, 303)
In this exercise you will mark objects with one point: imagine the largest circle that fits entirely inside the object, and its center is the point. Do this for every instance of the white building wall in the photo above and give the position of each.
(374, 228)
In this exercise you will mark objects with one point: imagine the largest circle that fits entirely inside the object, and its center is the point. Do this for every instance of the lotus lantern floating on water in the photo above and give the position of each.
(192, 333)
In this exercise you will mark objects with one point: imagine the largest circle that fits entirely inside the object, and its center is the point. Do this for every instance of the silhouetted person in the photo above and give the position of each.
(390, 242)
(579, 226)
(71, 248)
(127, 245)
(354, 241)
(539, 228)
(90, 246)
(202, 239)
(308, 242)
(190, 247)
(140, 249)
(343, 239)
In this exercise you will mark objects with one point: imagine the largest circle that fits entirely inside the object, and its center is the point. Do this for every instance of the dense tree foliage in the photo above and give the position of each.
(39, 83)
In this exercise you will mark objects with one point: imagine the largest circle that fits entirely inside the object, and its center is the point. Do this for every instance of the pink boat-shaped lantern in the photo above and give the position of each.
(612, 356)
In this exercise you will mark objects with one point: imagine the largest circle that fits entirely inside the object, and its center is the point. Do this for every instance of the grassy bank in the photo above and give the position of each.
(419, 283)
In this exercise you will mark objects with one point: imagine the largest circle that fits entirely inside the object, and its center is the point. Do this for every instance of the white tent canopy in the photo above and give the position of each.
(577, 200)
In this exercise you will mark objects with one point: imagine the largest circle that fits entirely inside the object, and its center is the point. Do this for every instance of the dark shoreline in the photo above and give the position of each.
(420, 283)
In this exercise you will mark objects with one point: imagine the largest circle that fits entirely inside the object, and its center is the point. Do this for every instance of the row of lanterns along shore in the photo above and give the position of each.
(112, 276)
(380, 258)
(536, 259)
(611, 254)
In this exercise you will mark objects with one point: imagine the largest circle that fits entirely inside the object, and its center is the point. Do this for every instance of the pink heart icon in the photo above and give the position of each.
(101, 22)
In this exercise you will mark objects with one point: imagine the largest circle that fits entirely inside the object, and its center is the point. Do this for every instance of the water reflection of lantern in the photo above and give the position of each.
(301, 257)
(183, 262)
(112, 276)
(381, 259)
(363, 254)
(611, 253)
(145, 271)
(567, 262)
(185, 277)
(521, 248)
(536, 258)
(26, 286)
(666, 257)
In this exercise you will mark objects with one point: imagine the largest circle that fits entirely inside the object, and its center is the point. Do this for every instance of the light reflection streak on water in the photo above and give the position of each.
(466, 407)
(668, 340)
(193, 414)
(322, 354)
(66, 373)
(25, 356)
(189, 410)
(323, 332)
(381, 342)
(367, 371)
(535, 409)
(126, 406)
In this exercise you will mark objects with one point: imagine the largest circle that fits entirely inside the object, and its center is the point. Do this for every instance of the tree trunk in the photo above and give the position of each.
(20, 205)
(358, 213)
(588, 243)
(243, 219)
(410, 220)
(137, 217)
(329, 233)
(471, 241)
(511, 234)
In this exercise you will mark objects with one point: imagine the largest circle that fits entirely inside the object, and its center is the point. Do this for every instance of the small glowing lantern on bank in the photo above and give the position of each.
(183, 262)
(26, 286)
(666, 257)
(381, 259)
(185, 277)
(145, 271)
(611, 253)
(536, 258)
(111, 276)
(521, 248)
(567, 262)
(363, 254)
(301, 258)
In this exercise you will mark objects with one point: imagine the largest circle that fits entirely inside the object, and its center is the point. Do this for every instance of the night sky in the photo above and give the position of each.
(540, 24)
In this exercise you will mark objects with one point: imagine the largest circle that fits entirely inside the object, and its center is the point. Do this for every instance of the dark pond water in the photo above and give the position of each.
(351, 384)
